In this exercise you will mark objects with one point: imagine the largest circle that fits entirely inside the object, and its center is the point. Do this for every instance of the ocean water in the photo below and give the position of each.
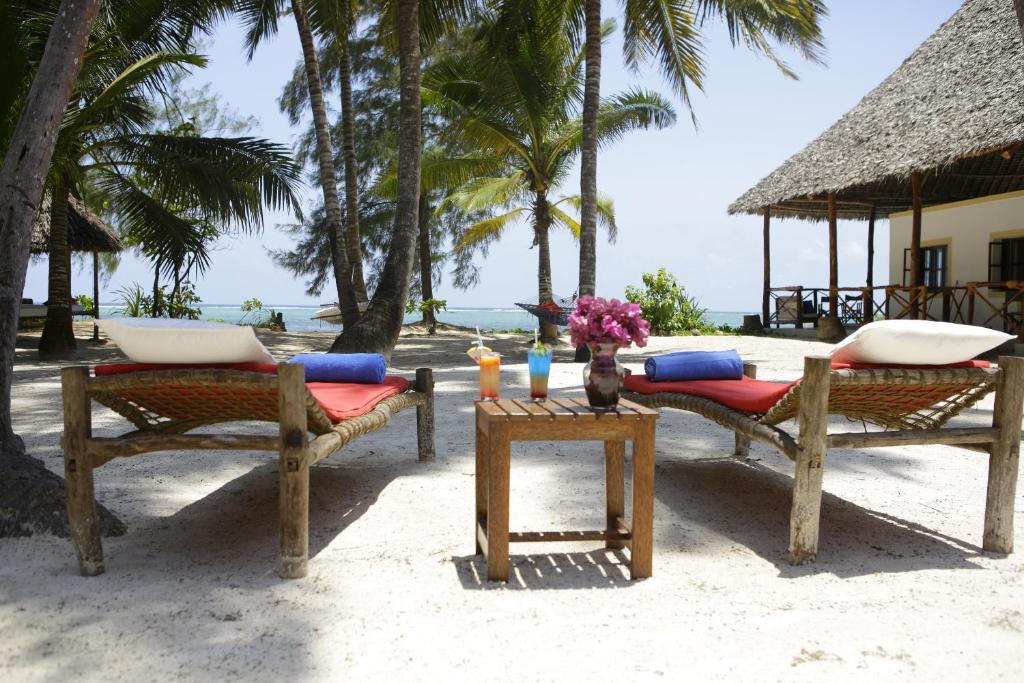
(299, 318)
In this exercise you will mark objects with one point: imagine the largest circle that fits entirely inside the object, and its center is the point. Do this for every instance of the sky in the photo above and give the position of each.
(671, 188)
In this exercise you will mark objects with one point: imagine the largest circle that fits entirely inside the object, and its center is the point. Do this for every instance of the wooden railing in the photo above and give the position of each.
(999, 305)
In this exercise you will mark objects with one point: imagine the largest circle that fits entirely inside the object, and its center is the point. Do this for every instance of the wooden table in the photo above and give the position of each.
(499, 423)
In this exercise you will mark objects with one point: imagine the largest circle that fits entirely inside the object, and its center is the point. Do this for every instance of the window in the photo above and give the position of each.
(1006, 260)
(933, 264)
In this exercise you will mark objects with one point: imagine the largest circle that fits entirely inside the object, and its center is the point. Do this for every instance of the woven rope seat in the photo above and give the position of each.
(911, 406)
(177, 401)
(165, 404)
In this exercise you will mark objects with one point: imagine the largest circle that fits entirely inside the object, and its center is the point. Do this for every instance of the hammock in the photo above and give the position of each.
(555, 311)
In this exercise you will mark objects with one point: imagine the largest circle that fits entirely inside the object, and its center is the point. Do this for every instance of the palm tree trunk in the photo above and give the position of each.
(379, 328)
(588, 158)
(58, 338)
(426, 264)
(32, 497)
(353, 243)
(1019, 6)
(541, 230)
(328, 178)
(157, 304)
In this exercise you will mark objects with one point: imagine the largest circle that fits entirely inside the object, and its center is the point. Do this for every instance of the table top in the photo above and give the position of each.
(559, 410)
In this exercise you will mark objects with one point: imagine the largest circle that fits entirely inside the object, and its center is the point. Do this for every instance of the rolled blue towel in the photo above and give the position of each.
(360, 368)
(687, 365)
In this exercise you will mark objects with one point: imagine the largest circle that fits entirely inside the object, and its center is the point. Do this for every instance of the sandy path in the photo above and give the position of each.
(900, 589)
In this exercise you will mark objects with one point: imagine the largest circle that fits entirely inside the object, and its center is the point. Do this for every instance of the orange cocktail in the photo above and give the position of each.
(490, 373)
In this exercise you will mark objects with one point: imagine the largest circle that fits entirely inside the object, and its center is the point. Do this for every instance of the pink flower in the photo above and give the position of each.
(597, 321)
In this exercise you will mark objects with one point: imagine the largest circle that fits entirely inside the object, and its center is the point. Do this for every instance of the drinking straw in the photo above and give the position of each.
(535, 337)
(479, 338)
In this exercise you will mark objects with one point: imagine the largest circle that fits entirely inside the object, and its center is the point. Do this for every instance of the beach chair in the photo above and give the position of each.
(165, 404)
(910, 405)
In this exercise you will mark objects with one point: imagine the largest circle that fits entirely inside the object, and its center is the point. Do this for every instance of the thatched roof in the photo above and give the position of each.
(953, 111)
(86, 232)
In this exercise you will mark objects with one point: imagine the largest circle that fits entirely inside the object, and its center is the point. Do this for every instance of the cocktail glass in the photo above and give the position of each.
(539, 360)
(490, 374)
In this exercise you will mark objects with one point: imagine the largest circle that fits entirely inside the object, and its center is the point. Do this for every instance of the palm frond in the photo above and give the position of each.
(487, 230)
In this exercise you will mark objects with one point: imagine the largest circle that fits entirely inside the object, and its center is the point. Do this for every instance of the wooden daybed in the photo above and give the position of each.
(165, 404)
(911, 405)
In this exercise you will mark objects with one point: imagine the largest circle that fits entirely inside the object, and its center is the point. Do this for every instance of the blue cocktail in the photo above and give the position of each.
(539, 360)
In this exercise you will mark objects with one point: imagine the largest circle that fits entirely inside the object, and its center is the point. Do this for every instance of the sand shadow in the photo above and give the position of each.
(584, 570)
(235, 528)
(749, 504)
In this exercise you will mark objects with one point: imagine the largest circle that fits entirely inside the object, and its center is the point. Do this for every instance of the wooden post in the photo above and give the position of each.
(813, 419)
(498, 463)
(742, 442)
(767, 287)
(293, 475)
(425, 414)
(871, 247)
(916, 273)
(971, 287)
(800, 308)
(615, 487)
(868, 305)
(1004, 461)
(95, 294)
(833, 257)
(82, 518)
(482, 482)
(641, 556)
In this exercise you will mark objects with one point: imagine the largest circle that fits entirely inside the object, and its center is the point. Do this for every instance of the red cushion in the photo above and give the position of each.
(343, 400)
(339, 400)
(745, 395)
(874, 366)
(121, 368)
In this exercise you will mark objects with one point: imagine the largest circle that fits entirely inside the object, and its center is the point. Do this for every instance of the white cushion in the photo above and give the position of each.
(164, 340)
(916, 342)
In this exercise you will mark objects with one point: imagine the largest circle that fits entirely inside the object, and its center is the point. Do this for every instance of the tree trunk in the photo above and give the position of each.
(353, 243)
(328, 177)
(58, 338)
(157, 304)
(588, 159)
(378, 329)
(541, 232)
(31, 497)
(426, 264)
(1019, 6)
(96, 295)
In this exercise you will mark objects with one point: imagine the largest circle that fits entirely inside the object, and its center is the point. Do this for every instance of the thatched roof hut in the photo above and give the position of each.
(953, 113)
(86, 232)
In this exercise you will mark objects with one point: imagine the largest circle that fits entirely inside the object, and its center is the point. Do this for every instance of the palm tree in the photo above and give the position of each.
(26, 161)
(260, 20)
(668, 32)
(1019, 6)
(165, 188)
(515, 102)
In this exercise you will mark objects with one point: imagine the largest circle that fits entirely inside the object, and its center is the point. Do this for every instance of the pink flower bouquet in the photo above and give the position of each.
(597, 321)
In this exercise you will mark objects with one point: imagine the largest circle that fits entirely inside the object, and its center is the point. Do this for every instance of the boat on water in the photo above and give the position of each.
(331, 313)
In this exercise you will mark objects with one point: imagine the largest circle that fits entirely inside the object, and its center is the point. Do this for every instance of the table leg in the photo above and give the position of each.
(499, 456)
(480, 517)
(642, 547)
(614, 481)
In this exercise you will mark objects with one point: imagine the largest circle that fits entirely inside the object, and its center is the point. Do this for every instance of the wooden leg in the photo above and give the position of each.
(480, 518)
(1005, 459)
(642, 546)
(499, 457)
(425, 414)
(813, 418)
(743, 443)
(82, 518)
(615, 487)
(293, 475)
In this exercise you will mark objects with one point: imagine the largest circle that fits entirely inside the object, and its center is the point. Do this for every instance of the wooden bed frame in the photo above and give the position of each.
(203, 397)
(868, 396)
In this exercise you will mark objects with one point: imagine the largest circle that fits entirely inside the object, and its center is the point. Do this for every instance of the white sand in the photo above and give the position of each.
(900, 589)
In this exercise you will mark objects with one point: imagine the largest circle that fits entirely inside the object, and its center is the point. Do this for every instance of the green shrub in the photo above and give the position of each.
(666, 306)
